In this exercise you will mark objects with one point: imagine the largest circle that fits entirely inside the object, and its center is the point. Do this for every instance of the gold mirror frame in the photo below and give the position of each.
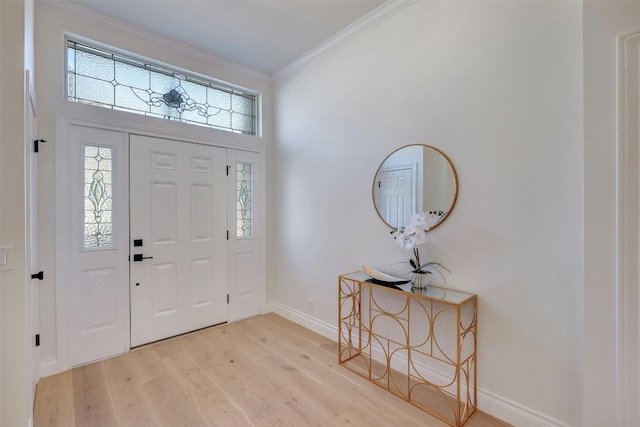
(407, 162)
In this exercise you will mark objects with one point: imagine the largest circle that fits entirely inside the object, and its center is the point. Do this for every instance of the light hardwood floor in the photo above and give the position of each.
(263, 371)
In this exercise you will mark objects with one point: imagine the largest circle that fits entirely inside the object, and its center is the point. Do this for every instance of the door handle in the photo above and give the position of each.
(140, 257)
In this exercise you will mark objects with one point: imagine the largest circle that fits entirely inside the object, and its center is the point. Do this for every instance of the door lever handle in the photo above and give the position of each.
(140, 257)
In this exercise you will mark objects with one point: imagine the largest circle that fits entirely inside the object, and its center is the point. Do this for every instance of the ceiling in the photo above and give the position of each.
(265, 35)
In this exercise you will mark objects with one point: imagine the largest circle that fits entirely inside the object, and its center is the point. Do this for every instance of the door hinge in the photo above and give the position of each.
(39, 275)
(36, 144)
(228, 167)
(227, 234)
(37, 340)
(227, 298)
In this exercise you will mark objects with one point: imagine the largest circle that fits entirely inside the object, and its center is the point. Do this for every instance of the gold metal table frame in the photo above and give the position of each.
(419, 344)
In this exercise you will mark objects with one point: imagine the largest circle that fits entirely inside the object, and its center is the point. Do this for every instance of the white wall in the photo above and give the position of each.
(16, 19)
(53, 19)
(603, 23)
(498, 87)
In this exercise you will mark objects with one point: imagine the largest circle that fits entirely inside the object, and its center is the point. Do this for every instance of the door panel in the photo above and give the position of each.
(179, 211)
(164, 202)
(201, 270)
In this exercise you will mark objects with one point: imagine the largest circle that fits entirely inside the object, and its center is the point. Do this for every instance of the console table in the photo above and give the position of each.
(419, 344)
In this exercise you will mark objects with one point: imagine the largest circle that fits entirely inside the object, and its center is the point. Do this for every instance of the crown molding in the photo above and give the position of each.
(79, 12)
(361, 26)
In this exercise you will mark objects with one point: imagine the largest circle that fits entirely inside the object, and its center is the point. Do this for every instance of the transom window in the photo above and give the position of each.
(106, 79)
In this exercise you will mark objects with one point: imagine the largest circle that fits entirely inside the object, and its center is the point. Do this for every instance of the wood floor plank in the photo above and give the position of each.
(210, 400)
(245, 343)
(260, 372)
(54, 404)
(305, 352)
(289, 406)
(147, 364)
(172, 405)
(93, 406)
(247, 396)
(132, 406)
(212, 346)
(353, 417)
(168, 347)
(318, 406)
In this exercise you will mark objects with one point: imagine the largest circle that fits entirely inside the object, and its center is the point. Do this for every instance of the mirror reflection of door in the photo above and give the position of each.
(432, 185)
(394, 195)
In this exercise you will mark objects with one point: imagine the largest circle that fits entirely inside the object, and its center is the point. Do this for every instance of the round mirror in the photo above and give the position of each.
(415, 178)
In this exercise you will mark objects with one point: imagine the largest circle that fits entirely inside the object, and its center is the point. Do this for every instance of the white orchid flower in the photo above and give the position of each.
(414, 234)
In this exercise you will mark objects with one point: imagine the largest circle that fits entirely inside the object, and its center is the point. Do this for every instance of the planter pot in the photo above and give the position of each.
(420, 280)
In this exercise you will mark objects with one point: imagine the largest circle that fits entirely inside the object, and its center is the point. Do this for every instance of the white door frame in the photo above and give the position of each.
(628, 230)
(63, 121)
(32, 232)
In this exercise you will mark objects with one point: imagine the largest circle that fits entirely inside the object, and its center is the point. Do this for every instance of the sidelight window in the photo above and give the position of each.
(98, 197)
(244, 210)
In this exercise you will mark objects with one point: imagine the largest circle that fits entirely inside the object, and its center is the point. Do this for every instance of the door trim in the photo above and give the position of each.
(31, 184)
(628, 232)
(63, 122)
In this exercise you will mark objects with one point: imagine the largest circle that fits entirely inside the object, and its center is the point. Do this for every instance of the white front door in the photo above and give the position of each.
(176, 199)
(178, 223)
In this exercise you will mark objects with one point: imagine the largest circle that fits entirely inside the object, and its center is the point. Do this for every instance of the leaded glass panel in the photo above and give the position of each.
(98, 197)
(244, 211)
(98, 77)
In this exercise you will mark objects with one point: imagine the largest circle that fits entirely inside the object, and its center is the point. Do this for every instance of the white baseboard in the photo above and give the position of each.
(318, 326)
(49, 367)
(498, 406)
(514, 413)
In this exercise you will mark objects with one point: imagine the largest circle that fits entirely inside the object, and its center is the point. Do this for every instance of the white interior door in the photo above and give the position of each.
(178, 223)
(394, 196)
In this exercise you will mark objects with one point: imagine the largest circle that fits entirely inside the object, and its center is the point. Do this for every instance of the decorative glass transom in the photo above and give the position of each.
(98, 77)
(98, 197)
(244, 200)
